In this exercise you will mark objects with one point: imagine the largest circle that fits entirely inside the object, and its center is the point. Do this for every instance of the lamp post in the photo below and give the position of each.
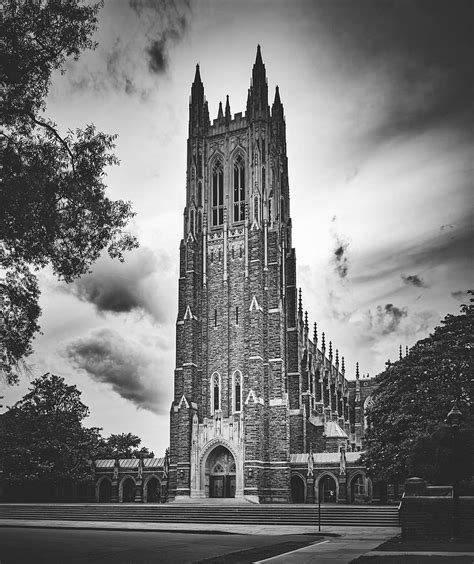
(453, 419)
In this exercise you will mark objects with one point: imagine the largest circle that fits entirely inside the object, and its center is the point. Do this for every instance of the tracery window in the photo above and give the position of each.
(191, 222)
(237, 390)
(215, 392)
(239, 189)
(217, 194)
(199, 194)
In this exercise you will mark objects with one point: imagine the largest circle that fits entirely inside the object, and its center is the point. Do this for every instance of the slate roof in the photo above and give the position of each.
(130, 463)
(325, 458)
(332, 429)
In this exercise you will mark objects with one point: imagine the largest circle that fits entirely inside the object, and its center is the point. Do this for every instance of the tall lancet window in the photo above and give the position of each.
(239, 189)
(237, 396)
(215, 392)
(217, 194)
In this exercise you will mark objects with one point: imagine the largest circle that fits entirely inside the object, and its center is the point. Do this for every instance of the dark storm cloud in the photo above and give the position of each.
(138, 284)
(135, 42)
(157, 56)
(414, 280)
(386, 321)
(130, 368)
(389, 317)
(169, 22)
(423, 48)
(342, 263)
(119, 75)
(340, 258)
(460, 295)
(452, 246)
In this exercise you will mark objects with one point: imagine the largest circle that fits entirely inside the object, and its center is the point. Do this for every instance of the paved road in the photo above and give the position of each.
(74, 546)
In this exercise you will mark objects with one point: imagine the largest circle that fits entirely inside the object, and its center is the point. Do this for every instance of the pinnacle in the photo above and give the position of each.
(227, 108)
(258, 58)
(277, 100)
(197, 76)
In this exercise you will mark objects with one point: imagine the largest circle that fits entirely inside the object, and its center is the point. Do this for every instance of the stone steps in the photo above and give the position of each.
(331, 515)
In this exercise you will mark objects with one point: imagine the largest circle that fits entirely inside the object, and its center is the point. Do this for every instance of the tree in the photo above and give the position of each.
(44, 446)
(408, 435)
(43, 443)
(124, 445)
(54, 209)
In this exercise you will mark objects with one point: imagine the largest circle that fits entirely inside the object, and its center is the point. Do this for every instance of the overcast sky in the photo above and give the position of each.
(378, 98)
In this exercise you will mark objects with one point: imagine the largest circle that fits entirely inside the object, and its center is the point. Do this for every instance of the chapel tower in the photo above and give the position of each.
(228, 418)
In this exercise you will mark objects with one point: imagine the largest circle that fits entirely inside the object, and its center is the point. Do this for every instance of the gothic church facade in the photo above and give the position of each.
(262, 409)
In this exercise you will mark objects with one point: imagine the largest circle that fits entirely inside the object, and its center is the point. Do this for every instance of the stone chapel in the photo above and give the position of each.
(262, 409)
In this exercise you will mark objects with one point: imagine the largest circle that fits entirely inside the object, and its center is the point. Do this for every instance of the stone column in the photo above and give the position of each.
(342, 489)
(139, 491)
(310, 490)
(114, 498)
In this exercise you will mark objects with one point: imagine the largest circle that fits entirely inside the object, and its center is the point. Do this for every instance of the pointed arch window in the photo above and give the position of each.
(215, 392)
(255, 209)
(239, 189)
(217, 194)
(199, 193)
(191, 222)
(237, 391)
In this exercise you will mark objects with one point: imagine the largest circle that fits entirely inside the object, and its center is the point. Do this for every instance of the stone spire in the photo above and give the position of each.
(357, 370)
(228, 116)
(277, 108)
(257, 103)
(198, 112)
(197, 89)
(220, 113)
(315, 335)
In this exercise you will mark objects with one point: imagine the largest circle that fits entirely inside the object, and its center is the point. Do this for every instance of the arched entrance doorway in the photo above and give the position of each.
(152, 491)
(128, 490)
(105, 491)
(297, 489)
(220, 471)
(327, 489)
(357, 488)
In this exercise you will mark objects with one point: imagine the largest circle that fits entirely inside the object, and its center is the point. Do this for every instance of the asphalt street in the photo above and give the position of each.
(71, 546)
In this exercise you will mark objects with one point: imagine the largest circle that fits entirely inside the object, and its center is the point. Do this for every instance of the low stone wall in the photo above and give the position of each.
(426, 512)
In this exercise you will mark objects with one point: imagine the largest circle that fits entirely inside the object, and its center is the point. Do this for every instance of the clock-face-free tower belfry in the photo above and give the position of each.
(253, 394)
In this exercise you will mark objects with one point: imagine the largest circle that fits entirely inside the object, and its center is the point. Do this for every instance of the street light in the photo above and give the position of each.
(453, 419)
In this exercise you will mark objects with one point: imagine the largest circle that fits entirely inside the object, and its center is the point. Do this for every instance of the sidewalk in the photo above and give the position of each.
(379, 533)
(351, 543)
